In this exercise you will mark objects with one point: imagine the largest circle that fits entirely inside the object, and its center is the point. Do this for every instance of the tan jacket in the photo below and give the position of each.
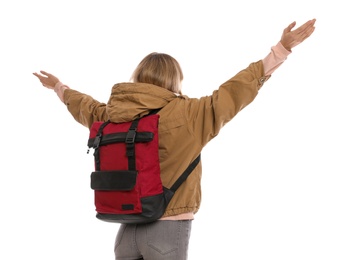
(186, 124)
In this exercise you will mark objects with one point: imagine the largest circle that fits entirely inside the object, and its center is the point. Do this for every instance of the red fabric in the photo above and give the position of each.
(113, 157)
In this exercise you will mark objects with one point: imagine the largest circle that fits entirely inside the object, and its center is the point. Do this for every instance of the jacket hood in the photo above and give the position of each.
(131, 100)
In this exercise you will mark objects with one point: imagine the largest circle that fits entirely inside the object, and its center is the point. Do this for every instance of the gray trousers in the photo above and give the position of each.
(160, 240)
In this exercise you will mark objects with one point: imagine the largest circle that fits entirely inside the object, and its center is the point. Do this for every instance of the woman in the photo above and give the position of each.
(186, 126)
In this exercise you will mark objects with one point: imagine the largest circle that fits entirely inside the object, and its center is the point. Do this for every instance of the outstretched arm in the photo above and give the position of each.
(82, 107)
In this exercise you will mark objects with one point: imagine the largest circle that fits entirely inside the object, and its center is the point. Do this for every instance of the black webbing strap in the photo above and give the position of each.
(96, 145)
(185, 174)
(154, 111)
(130, 141)
(130, 144)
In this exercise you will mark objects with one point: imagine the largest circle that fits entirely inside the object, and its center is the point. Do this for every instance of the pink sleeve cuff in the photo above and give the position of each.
(275, 58)
(59, 88)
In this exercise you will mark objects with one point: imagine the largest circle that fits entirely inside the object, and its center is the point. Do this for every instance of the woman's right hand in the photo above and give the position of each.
(47, 80)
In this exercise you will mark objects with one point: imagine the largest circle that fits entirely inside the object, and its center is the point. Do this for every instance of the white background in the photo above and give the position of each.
(274, 180)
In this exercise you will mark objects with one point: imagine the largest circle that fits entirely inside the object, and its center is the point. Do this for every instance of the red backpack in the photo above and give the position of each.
(126, 181)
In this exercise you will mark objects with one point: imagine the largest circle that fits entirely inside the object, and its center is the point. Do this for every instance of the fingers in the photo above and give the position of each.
(305, 30)
(40, 77)
(45, 73)
(308, 32)
(290, 27)
(306, 26)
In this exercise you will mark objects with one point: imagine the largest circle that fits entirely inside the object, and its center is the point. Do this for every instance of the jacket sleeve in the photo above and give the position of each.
(209, 114)
(84, 108)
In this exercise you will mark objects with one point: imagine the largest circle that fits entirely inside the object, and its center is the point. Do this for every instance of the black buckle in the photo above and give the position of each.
(97, 140)
(130, 137)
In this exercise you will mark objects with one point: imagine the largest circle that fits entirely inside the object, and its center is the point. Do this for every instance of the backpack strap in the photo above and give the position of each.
(130, 141)
(170, 192)
(185, 174)
(96, 144)
(154, 111)
(130, 144)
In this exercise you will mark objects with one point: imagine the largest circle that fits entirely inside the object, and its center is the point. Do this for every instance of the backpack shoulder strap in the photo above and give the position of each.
(185, 174)
(154, 111)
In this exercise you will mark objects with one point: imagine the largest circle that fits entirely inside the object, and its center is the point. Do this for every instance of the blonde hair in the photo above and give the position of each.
(159, 69)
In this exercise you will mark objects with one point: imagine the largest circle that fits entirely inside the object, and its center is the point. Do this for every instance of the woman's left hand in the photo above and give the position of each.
(290, 38)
